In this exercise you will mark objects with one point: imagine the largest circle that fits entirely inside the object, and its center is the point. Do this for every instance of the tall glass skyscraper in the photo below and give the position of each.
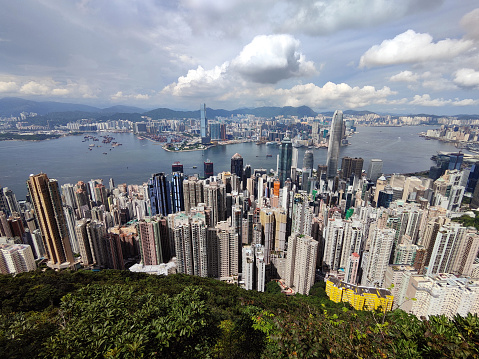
(285, 158)
(334, 143)
(237, 165)
(159, 194)
(204, 125)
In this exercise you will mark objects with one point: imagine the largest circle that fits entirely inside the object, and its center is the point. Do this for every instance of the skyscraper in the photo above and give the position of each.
(285, 158)
(47, 202)
(177, 198)
(159, 194)
(208, 169)
(204, 125)
(375, 169)
(308, 159)
(177, 167)
(350, 166)
(334, 143)
(237, 165)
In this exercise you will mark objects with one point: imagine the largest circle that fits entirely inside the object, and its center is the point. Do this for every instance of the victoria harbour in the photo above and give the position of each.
(69, 160)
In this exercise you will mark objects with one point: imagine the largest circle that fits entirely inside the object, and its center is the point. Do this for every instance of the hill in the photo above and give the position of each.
(118, 314)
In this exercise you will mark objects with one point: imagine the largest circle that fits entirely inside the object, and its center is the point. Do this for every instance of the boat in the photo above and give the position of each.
(195, 166)
(105, 153)
(92, 145)
(269, 155)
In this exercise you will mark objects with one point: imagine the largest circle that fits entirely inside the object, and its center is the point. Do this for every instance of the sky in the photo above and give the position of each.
(389, 56)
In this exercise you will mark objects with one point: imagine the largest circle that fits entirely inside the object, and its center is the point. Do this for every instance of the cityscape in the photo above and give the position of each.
(239, 179)
(376, 241)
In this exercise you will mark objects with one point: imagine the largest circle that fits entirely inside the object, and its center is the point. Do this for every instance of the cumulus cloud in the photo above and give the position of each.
(271, 58)
(467, 78)
(9, 86)
(199, 81)
(121, 96)
(412, 47)
(404, 76)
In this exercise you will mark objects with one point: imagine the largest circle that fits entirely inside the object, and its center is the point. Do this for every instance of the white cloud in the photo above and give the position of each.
(467, 78)
(121, 96)
(35, 88)
(9, 86)
(271, 58)
(412, 47)
(404, 76)
(425, 100)
(198, 81)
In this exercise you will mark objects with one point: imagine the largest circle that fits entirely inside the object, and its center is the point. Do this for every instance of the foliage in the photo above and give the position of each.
(468, 221)
(119, 314)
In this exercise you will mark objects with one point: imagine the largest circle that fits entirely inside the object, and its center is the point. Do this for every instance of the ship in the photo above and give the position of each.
(269, 155)
(195, 166)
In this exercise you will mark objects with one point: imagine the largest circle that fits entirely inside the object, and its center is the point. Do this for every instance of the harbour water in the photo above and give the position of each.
(69, 160)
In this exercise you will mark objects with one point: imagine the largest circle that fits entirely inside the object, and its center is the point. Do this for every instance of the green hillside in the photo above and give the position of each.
(118, 314)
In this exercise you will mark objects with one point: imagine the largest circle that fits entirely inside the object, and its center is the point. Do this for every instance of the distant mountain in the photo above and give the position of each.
(13, 106)
(122, 109)
(358, 113)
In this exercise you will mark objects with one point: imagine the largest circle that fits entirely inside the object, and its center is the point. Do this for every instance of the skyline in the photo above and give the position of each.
(400, 56)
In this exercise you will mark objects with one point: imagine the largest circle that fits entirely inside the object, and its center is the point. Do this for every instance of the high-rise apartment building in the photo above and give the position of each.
(377, 258)
(46, 199)
(334, 144)
(301, 262)
(16, 258)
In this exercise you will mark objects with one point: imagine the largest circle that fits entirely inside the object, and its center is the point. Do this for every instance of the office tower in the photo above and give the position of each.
(204, 125)
(455, 161)
(385, 197)
(159, 194)
(350, 166)
(237, 165)
(215, 131)
(177, 167)
(177, 198)
(284, 160)
(294, 158)
(377, 259)
(301, 262)
(334, 144)
(16, 258)
(208, 169)
(375, 169)
(47, 202)
(228, 250)
(246, 176)
(308, 160)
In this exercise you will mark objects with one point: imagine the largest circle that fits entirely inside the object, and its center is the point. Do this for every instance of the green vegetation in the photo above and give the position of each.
(118, 314)
(468, 221)
(16, 136)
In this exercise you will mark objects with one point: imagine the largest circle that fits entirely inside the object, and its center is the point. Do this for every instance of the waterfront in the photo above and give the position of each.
(69, 160)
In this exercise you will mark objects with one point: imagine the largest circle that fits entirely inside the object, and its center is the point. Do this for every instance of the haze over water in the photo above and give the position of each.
(69, 160)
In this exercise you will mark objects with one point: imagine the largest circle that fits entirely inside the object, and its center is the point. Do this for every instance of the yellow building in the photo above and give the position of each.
(360, 298)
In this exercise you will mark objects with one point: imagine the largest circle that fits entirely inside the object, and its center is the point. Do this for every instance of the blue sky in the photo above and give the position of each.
(400, 56)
